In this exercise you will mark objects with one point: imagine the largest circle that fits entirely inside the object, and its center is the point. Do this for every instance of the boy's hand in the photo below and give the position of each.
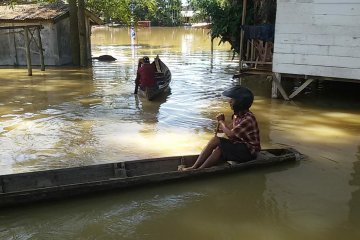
(220, 117)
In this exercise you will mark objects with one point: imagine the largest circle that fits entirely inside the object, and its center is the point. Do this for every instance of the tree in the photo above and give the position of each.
(111, 10)
(225, 17)
(159, 12)
(168, 13)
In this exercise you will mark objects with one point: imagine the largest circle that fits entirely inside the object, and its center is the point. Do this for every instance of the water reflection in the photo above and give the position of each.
(70, 117)
(354, 211)
(224, 210)
(151, 107)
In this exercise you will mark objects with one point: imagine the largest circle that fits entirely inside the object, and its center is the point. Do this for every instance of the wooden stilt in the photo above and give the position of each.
(302, 87)
(247, 50)
(212, 46)
(15, 49)
(252, 51)
(41, 50)
(277, 84)
(274, 90)
(265, 52)
(27, 48)
(212, 55)
(82, 34)
(242, 33)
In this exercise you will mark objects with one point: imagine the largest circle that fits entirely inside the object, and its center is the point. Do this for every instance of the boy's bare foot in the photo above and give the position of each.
(180, 167)
(183, 168)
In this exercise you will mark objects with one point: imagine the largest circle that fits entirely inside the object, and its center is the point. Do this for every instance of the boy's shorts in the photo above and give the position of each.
(238, 152)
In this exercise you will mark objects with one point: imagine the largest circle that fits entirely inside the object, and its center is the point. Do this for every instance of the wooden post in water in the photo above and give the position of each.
(212, 55)
(242, 33)
(252, 51)
(274, 89)
(27, 49)
(82, 33)
(41, 49)
(247, 50)
(74, 33)
(277, 86)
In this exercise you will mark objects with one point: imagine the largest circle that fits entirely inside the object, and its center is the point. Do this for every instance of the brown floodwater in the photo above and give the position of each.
(67, 117)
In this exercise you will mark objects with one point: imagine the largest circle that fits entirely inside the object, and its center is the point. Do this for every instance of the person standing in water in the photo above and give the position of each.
(145, 74)
(243, 138)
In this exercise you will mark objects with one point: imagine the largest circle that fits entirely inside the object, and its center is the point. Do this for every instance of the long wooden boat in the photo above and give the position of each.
(162, 79)
(17, 189)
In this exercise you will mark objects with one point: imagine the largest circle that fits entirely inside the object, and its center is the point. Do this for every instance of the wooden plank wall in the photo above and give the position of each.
(318, 37)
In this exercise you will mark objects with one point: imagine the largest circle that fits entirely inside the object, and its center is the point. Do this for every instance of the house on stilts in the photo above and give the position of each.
(312, 40)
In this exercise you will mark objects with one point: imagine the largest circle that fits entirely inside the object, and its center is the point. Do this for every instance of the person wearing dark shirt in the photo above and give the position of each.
(145, 74)
(243, 138)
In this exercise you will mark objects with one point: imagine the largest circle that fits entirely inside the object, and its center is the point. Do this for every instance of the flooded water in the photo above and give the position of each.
(69, 117)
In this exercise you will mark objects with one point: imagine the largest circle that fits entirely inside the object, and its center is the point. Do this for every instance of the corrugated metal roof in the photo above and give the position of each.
(33, 12)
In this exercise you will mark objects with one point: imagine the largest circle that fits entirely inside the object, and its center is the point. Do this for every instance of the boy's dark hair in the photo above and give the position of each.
(243, 98)
(146, 59)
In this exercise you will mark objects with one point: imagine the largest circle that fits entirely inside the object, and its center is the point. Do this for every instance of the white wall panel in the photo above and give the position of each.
(319, 1)
(316, 60)
(316, 29)
(336, 20)
(303, 49)
(332, 72)
(337, 9)
(345, 51)
(318, 37)
(333, 1)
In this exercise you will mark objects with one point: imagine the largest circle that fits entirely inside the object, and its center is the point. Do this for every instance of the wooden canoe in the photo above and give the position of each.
(16, 189)
(162, 78)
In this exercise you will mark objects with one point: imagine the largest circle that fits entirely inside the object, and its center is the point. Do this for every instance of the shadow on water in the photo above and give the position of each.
(327, 94)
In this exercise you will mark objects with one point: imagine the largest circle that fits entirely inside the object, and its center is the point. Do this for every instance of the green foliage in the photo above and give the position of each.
(225, 18)
(144, 9)
(168, 13)
(13, 2)
(264, 11)
(111, 9)
(159, 12)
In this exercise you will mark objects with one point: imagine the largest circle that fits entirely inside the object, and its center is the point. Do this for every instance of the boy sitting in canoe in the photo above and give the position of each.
(243, 140)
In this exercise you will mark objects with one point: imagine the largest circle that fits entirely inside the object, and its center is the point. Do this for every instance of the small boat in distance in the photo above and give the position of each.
(21, 188)
(162, 79)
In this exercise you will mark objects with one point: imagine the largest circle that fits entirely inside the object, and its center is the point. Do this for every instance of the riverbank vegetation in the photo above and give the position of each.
(224, 15)
(159, 12)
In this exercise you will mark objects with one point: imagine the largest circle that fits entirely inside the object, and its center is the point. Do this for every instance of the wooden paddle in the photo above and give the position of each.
(136, 86)
(217, 128)
(137, 80)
